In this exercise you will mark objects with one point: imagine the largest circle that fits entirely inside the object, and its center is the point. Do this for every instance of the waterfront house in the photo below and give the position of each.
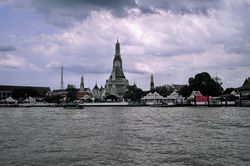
(84, 93)
(197, 98)
(152, 99)
(174, 98)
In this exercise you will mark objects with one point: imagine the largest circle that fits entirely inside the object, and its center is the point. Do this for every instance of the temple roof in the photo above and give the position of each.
(152, 96)
(178, 87)
(246, 82)
(195, 93)
(246, 85)
(95, 87)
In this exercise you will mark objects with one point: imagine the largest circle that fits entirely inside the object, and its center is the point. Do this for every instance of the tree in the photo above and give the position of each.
(218, 80)
(185, 91)
(111, 97)
(53, 99)
(205, 84)
(133, 93)
(229, 90)
(71, 92)
(164, 90)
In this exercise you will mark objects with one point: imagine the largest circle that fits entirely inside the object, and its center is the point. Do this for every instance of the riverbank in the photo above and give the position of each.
(126, 104)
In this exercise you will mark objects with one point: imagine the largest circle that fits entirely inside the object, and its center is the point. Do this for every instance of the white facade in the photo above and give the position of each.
(152, 99)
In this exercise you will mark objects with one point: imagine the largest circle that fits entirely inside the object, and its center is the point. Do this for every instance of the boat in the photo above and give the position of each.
(72, 106)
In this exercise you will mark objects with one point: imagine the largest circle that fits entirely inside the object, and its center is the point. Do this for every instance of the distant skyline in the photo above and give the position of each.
(174, 40)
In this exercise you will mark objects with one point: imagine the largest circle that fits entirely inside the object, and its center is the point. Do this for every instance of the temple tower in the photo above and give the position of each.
(152, 85)
(117, 82)
(82, 83)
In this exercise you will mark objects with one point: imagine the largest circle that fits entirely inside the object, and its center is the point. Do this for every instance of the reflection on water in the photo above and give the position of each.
(125, 136)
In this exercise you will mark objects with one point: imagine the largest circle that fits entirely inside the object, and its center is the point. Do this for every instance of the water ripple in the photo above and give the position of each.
(125, 136)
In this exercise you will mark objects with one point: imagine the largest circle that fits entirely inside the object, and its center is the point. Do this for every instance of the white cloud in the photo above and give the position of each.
(12, 61)
(54, 64)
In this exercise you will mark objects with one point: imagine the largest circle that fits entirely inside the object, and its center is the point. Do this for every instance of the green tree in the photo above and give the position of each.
(133, 93)
(218, 80)
(229, 90)
(205, 84)
(71, 92)
(185, 91)
(53, 99)
(111, 97)
(164, 90)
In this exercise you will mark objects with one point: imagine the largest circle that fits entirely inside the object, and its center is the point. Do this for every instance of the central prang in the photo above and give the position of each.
(117, 83)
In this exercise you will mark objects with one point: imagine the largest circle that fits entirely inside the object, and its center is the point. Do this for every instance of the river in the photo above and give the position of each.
(125, 136)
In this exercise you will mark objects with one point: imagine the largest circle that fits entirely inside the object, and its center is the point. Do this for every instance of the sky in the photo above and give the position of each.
(174, 40)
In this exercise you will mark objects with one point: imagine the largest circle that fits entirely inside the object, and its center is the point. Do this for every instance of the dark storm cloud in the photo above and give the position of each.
(7, 48)
(64, 13)
(109, 4)
(180, 6)
(120, 7)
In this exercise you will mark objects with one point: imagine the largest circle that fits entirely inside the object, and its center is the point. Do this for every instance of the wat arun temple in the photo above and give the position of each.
(115, 86)
(117, 83)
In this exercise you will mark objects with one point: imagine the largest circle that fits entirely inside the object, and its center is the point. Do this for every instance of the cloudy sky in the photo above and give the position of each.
(172, 39)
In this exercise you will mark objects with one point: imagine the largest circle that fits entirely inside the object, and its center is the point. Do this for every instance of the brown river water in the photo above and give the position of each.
(125, 136)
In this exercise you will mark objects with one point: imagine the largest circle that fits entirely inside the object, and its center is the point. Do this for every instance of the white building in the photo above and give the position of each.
(174, 98)
(97, 92)
(153, 99)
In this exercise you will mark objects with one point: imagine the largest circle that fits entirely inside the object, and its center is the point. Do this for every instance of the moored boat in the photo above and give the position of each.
(72, 106)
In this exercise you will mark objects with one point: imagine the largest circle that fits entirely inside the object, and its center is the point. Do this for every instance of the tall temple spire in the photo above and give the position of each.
(117, 48)
(152, 85)
(62, 85)
(117, 82)
(82, 83)
(117, 71)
